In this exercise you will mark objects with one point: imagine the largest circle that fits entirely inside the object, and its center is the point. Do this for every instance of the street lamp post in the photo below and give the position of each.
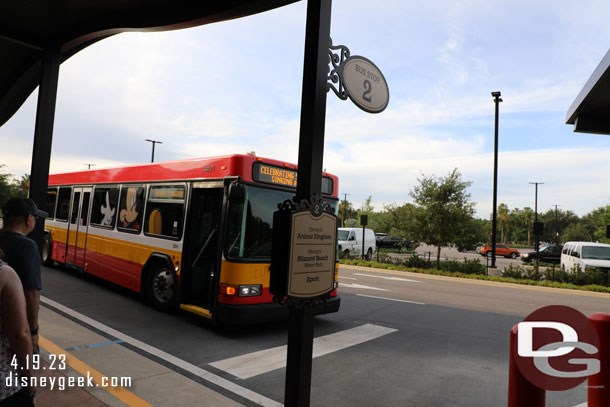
(497, 100)
(152, 159)
(556, 228)
(536, 235)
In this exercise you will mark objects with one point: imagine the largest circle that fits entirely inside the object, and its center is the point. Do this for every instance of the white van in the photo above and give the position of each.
(585, 255)
(350, 242)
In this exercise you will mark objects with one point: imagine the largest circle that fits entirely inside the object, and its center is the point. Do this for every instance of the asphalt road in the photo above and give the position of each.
(435, 341)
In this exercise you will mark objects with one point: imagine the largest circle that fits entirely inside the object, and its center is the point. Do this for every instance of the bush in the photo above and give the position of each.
(515, 272)
(416, 261)
(466, 267)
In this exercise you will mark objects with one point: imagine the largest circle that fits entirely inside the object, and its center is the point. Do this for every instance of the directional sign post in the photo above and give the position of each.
(304, 229)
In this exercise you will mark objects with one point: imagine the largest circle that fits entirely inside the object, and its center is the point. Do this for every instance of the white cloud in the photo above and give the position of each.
(236, 86)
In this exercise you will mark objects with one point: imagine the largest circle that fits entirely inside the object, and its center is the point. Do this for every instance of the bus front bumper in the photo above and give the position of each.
(251, 314)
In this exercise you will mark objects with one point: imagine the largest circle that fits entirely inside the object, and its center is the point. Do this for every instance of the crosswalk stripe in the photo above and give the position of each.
(256, 363)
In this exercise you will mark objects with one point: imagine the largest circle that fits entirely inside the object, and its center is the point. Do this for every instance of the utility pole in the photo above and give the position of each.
(152, 159)
(344, 208)
(89, 165)
(494, 222)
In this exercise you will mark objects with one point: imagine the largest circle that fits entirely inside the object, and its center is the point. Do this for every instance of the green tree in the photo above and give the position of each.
(346, 211)
(504, 220)
(23, 185)
(8, 189)
(528, 217)
(442, 210)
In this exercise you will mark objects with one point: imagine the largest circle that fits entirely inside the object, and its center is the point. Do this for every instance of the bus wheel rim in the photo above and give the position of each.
(163, 286)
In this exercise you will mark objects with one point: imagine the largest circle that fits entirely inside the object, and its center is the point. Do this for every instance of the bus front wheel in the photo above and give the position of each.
(161, 287)
(47, 249)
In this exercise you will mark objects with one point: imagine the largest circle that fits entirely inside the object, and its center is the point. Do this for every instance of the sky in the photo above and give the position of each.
(235, 86)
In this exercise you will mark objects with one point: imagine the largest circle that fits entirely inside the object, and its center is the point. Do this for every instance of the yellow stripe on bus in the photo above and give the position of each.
(121, 249)
(99, 378)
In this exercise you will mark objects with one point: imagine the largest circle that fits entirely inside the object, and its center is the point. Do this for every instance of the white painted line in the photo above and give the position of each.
(347, 278)
(392, 299)
(388, 278)
(256, 363)
(582, 405)
(196, 370)
(365, 287)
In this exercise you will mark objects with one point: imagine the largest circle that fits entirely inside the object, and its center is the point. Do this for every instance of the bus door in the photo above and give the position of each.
(202, 250)
(77, 228)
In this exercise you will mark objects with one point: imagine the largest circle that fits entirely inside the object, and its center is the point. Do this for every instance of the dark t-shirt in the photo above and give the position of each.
(21, 253)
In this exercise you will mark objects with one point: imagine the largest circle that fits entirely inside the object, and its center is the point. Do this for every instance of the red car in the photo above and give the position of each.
(501, 250)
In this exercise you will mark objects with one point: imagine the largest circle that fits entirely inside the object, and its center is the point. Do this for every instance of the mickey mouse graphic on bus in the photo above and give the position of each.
(129, 215)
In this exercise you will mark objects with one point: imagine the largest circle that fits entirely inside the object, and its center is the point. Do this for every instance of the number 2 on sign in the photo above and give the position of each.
(367, 87)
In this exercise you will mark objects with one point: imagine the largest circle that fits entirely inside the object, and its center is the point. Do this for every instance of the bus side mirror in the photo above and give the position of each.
(237, 193)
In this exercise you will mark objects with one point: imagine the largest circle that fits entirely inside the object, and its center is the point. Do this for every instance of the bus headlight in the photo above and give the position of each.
(250, 290)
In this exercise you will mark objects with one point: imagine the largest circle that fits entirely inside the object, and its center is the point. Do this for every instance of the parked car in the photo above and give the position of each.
(501, 250)
(585, 255)
(469, 247)
(548, 254)
(391, 242)
(350, 242)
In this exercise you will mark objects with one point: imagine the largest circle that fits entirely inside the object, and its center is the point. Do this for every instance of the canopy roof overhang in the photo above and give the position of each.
(27, 28)
(590, 111)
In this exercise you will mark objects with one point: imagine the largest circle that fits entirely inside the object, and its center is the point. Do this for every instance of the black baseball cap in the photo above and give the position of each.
(22, 207)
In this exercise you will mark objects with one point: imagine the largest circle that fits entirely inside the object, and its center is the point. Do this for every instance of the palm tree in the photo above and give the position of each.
(503, 219)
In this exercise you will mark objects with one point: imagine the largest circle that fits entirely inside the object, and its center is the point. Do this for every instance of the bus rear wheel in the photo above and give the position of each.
(161, 288)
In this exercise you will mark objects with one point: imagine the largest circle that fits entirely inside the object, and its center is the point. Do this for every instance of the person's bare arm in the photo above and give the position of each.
(14, 321)
(32, 300)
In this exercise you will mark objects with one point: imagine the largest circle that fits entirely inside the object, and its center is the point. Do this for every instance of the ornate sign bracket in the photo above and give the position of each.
(337, 55)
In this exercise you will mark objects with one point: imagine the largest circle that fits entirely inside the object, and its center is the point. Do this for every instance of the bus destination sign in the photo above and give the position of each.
(274, 175)
(312, 254)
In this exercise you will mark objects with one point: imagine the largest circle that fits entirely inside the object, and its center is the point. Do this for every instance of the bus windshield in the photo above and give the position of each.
(596, 252)
(249, 226)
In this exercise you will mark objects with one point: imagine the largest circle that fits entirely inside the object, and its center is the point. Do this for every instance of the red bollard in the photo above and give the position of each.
(521, 393)
(598, 392)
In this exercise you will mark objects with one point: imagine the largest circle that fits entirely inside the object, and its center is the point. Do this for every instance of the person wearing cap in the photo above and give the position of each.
(22, 254)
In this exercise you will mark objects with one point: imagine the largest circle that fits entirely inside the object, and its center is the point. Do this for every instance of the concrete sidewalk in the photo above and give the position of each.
(78, 362)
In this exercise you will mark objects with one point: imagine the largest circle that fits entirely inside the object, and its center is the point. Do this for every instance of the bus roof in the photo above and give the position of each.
(190, 169)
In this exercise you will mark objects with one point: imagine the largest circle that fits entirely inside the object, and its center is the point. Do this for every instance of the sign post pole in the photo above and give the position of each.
(311, 151)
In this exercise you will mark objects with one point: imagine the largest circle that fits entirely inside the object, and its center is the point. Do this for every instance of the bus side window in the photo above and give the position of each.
(130, 209)
(104, 208)
(63, 204)
(51, 201)
(165, 211)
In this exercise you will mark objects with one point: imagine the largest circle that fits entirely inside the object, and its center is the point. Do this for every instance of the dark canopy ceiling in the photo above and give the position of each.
(590, 111)
(28, 27)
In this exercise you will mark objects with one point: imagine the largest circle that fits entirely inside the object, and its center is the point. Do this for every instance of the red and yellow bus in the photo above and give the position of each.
(194, 234)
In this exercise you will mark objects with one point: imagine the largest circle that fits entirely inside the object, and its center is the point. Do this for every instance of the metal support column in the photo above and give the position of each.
(43, 134)
(311, 152)
(497, 100)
